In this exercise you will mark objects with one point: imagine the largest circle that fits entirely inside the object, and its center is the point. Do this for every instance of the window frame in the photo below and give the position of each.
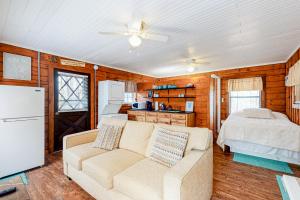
(133, 98)
(260, 99)
(56, 98)
(296, 104)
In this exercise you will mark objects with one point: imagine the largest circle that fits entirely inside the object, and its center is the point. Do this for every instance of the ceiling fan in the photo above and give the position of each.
(137, 32)
(192, 63)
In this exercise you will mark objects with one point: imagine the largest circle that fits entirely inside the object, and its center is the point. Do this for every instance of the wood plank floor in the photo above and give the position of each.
(231, 181)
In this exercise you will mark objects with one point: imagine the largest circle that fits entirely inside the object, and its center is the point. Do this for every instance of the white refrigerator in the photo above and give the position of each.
(110, 99)
(22, 134)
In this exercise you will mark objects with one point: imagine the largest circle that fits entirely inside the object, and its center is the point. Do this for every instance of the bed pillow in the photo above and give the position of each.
(108, 137)
(260, 113)
(169, 146)
(278, 115)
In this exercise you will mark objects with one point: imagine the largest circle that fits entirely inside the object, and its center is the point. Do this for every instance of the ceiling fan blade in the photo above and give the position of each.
(155, 37)
(114, 33)
(199, 63)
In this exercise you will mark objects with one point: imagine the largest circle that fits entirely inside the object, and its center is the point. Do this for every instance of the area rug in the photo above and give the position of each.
(284, 194)
(262, 162)
(19, 181)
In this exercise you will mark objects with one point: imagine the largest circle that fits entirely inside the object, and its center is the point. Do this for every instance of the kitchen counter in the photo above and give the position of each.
(177, 118)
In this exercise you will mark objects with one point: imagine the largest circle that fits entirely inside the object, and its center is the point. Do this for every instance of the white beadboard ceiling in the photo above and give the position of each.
(222, 33)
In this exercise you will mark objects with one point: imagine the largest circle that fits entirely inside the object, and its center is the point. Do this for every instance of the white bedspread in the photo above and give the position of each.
(279, 132)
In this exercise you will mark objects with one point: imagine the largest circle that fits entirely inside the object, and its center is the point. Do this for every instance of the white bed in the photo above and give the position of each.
(277, 138)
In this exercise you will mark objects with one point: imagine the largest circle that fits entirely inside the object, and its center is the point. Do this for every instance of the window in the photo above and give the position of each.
(130, 97)
(297, 94)
(16, 67)
(240, 100)
(73, 92)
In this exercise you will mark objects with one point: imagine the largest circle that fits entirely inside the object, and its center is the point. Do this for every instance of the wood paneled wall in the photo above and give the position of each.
(273, 95)
(201, 102)
(293, 114)
(48, 64)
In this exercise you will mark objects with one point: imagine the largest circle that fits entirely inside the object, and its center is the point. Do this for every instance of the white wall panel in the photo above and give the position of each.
(225, 33)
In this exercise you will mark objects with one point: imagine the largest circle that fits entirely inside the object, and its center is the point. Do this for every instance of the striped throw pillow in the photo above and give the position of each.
(108, 137)
(169, 146)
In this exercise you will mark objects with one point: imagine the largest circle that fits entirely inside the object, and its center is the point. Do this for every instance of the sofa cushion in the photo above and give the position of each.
(75, 155)
(108, 137)
(199, 138)
(135, 136)
(169, 146)
(104, 167)
(144, 180)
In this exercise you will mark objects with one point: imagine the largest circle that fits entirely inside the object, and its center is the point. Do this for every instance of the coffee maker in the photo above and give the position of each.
(149, 105)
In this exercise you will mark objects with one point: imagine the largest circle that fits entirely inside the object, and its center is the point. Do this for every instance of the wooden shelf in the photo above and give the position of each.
(178, 88)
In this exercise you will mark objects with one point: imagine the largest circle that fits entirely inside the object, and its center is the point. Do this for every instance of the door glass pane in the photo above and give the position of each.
(73, 92)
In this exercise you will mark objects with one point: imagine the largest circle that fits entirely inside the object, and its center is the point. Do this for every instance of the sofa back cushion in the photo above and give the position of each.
(199, 138)
(112, 121)
(135, 136)
(169, 146)
(108, 137)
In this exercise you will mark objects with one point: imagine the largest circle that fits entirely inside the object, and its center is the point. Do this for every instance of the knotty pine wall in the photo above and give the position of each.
(292, 113)
(273, 95)
(48, 64)
(201, 92)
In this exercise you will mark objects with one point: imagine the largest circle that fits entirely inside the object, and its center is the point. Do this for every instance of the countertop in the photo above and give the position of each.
(163, 111)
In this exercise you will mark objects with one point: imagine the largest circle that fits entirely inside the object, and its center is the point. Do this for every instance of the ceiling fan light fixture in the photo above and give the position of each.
(135, 41)
(190, 69)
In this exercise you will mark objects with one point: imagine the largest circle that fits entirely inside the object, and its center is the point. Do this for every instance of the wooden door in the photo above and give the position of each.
(72, 109)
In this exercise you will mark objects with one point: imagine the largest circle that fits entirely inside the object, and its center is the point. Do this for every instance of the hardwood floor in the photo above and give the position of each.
(232, 181)
(240, 181)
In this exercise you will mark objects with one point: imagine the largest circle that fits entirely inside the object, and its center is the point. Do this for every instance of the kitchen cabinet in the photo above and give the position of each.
(177, 119)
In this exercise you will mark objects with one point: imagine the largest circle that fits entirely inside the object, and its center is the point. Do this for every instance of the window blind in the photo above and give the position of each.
(130, 87)
(245, 84)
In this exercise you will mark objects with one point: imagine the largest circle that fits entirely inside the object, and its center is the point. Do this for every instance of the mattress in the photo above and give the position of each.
(264, 151)
(279, 132)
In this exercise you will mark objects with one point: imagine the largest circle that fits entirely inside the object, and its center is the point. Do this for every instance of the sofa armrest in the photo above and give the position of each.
(191, 178)
(79, 138)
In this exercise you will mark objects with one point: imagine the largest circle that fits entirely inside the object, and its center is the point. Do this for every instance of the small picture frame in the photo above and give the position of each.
(16, 67)
(189, 106)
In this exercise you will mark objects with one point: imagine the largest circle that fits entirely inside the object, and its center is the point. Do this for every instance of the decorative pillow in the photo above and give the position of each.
(108, 137)
(169, 146)
(260, 113)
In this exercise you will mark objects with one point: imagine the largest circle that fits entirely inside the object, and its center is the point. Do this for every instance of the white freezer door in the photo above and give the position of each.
(21, 144)
(19, 101)
(116, 91)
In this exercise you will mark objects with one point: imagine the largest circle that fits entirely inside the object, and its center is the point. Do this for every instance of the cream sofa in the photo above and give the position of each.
(128, 173)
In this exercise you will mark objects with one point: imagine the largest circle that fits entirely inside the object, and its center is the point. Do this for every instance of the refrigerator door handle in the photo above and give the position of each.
(19, 120)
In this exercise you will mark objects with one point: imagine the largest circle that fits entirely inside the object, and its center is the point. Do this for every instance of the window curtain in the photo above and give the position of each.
(130, 87)
(293, 79)
(245, 84)
(297, 93)
(294, 75)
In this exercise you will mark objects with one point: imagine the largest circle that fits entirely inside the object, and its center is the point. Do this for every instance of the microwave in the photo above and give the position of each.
(139, 105)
